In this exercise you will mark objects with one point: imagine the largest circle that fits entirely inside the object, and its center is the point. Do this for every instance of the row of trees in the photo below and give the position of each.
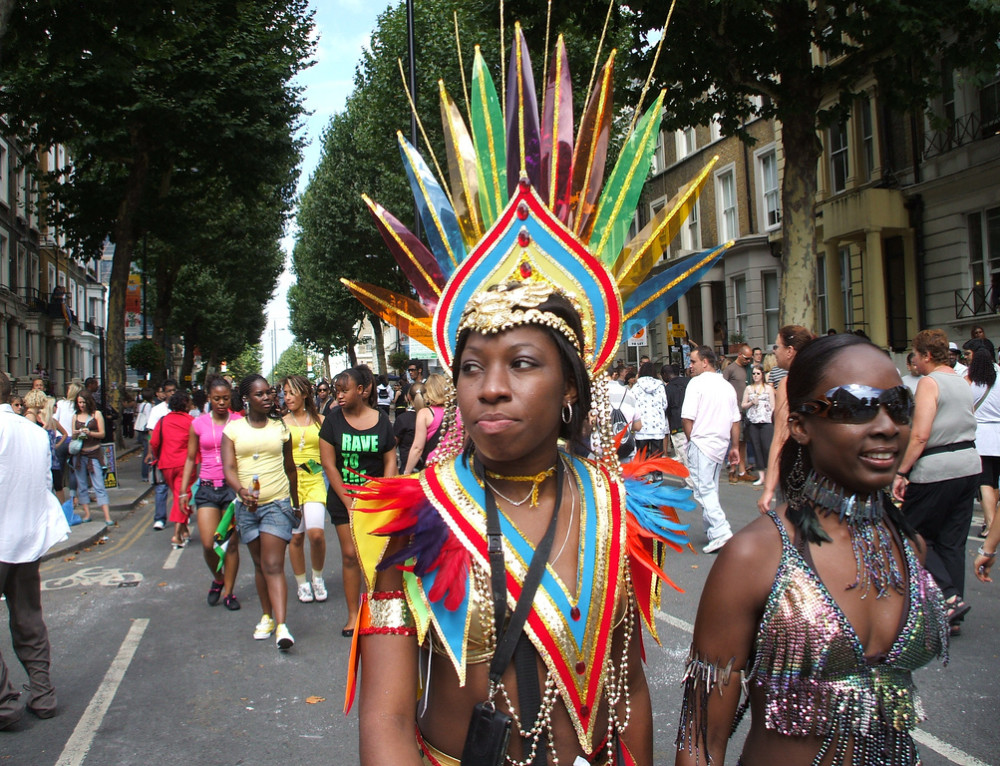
(179, 117)
(799, 61)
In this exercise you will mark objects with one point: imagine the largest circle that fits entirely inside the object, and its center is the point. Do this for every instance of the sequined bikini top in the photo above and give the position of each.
(816, 679)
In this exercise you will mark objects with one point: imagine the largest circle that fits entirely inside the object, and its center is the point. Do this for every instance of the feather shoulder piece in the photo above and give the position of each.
(652, 525)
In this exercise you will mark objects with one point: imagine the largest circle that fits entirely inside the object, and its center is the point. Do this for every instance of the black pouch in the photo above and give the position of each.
(486, 741)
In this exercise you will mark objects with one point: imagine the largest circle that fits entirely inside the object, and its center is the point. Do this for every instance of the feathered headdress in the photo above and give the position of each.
(526, 199)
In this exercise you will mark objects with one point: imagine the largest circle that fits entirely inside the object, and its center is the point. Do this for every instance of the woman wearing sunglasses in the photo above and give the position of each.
(939, 474)
(816, 615)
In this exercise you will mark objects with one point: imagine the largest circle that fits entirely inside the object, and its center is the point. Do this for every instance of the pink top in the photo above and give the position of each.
(210, 444)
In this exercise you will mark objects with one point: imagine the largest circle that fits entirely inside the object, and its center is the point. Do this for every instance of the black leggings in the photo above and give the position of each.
(941, 512)
(760, 435)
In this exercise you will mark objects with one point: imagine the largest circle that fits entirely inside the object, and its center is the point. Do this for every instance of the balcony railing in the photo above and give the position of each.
(963, 130)
(979, 301)
(36, 302)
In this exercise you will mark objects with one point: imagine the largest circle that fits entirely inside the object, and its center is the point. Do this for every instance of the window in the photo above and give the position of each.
(770, 189)
(838, 157)
(984, 254)
(4, 260)
(846, 287)
(989, 106)
(740, 302)
(690, 231)
(770, 285)
(687, 143)
(715, 128)
(822, 310)
(51, 284)
(659, 156)
(34, 276)
(4, 175)
(655, 207)
(867, 137)
(20, 192)
(729, 225)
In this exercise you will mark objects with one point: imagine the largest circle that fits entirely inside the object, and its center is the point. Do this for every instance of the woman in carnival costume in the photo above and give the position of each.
(815, 616)
(507, 582)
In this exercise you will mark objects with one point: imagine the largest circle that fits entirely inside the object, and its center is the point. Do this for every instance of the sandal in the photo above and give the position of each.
(956, 610)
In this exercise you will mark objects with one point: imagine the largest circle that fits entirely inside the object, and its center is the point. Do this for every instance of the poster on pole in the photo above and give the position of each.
(110, 466)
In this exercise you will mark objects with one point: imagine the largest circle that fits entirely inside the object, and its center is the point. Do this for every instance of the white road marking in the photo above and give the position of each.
(950, 752)
(172, 558)
(940, 747)
(78, 745)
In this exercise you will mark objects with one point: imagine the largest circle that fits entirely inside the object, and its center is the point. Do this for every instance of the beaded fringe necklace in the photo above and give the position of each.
(870, 539)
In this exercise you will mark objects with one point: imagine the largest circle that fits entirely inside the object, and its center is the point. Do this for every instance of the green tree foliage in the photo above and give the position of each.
(250, 361)
(153, 100)
(293, 361)
(146, 356)
(799, 55)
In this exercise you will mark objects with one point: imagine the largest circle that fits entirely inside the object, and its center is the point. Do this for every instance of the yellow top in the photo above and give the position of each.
(259, 451)
(305, 447)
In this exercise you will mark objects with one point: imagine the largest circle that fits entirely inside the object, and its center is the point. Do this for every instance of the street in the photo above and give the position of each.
(147, 673)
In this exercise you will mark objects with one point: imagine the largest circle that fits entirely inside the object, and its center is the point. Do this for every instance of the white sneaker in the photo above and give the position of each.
(158, 525)
(717, 543)
(305, 593)
(264, 628)
(284, 639)
(319, 589)
(758, 483)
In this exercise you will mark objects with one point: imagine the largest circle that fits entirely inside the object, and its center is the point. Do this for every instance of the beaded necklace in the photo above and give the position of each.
(870, 540)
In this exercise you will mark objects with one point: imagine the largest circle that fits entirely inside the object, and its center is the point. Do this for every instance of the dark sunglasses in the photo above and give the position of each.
(857, 404)
(323, 389)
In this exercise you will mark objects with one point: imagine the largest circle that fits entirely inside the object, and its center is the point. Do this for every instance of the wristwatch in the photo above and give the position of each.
(982, 552)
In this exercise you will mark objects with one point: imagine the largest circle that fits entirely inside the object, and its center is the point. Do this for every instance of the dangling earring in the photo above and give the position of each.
(567, 413)
(796, 481)
(246, 404)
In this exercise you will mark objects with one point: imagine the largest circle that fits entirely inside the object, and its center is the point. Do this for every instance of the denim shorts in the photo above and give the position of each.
(276, 518)
(217, 497)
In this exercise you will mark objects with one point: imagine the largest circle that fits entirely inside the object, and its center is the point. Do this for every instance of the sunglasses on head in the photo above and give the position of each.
(855, 404)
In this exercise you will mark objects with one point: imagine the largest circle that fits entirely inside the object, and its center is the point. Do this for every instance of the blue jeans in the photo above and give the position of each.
(160, 511)
(705, 475)
(143, 438)
(90, 468)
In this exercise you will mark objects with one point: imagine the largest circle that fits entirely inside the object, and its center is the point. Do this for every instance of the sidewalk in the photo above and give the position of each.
(125, 498)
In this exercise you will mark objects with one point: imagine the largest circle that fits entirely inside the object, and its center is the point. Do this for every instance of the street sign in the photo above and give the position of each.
(639, 339)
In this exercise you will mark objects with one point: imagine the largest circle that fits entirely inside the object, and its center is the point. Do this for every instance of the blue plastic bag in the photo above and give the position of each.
(71, 515)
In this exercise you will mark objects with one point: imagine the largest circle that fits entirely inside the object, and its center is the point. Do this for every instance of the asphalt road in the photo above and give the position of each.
(148, 674)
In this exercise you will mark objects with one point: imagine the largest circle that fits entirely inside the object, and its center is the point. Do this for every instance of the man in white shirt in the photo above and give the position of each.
(31, 521)
(954, 359)
(711, 418)
(160, 486)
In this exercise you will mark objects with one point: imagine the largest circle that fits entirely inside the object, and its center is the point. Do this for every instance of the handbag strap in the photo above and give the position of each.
(507, 639)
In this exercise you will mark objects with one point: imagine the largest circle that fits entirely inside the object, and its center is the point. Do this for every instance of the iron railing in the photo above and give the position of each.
(962, 130)
(979, 301)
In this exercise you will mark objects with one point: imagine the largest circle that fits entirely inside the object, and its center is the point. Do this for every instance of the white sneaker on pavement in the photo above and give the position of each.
(158, 525)
(283, 638)
(319, 589)
(305, 593)
(716, 544)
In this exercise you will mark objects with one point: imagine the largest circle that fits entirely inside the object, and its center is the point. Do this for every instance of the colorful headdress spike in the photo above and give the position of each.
(525, 209)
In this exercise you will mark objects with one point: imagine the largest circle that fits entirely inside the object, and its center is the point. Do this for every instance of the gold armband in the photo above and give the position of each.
(388, 614)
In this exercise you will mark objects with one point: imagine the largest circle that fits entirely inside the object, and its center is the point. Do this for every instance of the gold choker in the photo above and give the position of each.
(535, 480)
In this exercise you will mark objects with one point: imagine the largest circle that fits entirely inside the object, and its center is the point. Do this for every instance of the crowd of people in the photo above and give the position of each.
(891, 522)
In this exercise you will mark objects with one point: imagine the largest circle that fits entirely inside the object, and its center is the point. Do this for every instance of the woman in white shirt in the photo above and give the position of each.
(758, 404)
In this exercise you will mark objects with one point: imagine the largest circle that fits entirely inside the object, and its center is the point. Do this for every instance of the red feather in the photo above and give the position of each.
(452, 566)
(641, 465)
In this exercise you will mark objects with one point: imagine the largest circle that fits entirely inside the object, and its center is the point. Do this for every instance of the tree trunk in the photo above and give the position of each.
(379, 334)
(125, 234)
(352, 356)
(187, 365)
(802, 149)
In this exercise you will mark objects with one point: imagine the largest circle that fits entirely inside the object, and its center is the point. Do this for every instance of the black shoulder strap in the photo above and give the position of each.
(512, 642)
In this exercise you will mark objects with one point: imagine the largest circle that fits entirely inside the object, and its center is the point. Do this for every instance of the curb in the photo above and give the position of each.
(122, 508)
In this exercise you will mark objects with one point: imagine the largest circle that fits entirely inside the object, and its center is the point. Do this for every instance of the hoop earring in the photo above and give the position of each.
(567, 413)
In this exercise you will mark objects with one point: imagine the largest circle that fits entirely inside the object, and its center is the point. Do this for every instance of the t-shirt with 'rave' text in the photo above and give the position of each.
(359, 453)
